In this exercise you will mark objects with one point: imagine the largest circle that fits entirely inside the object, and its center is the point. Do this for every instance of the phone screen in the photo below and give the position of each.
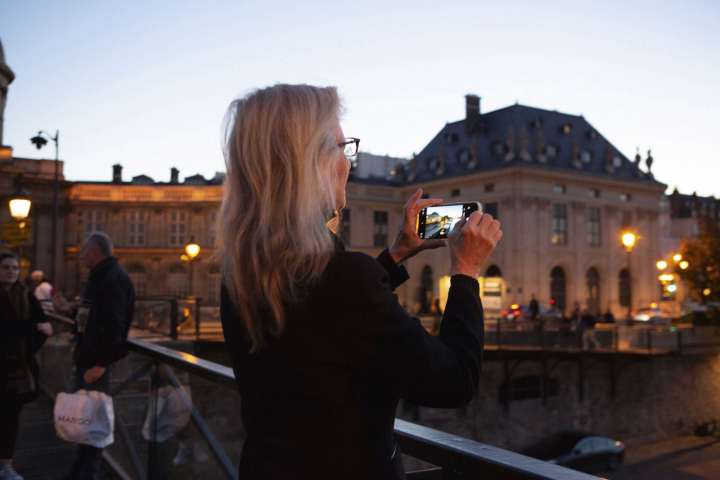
(438, 222)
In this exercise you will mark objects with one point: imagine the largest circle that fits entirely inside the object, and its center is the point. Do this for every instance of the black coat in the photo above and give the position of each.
(319, 401)
(22, 333)
(104, 316)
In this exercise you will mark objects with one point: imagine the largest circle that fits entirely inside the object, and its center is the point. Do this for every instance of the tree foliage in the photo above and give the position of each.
(703, 256)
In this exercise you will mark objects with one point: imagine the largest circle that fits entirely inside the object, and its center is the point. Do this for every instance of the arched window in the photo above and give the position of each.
(136, 272)
(177, 280)
(493, 271)
(213, 284)
(557, 288)
(592, 290)
(625, 288)
(426, 289)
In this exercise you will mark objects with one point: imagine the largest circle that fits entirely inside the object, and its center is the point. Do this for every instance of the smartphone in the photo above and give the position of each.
(438, 221)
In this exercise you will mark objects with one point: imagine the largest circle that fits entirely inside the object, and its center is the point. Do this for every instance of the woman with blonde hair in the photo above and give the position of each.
(322, 350)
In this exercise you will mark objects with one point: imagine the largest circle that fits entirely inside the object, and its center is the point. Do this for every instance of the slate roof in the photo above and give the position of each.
(499, 137)
(693, 206)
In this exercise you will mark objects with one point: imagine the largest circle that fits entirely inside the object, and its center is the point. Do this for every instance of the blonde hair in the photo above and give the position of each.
(279, 194)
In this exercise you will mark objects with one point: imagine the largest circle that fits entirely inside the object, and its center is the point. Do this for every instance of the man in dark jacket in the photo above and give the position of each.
(102, 323)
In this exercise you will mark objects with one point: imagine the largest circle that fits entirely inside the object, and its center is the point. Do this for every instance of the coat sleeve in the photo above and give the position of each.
(389, 347)
(112, 304)
(36, 315)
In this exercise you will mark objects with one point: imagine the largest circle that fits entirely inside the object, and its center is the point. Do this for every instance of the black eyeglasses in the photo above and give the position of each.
(351, 146)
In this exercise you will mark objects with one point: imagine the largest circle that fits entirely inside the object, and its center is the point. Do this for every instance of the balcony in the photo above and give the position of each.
(213, 437)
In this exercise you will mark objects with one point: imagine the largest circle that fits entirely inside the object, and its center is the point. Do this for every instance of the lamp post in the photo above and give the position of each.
(39, 141)
(192, 250)
(628, 240)
(19, 210)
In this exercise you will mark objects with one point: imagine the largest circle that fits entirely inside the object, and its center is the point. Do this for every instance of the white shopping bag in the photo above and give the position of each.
(85, 417)
(173, 414)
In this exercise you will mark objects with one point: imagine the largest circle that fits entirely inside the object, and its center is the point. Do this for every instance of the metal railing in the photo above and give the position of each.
(159, 366)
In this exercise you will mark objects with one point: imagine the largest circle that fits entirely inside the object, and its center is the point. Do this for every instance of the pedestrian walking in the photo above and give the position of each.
(43, 290)
(588, 330)
(102, 323)
(23, 330)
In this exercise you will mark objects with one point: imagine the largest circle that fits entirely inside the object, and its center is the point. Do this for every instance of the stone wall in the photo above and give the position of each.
(654, 400)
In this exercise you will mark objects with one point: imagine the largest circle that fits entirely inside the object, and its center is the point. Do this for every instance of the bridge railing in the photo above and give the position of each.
(177, 416)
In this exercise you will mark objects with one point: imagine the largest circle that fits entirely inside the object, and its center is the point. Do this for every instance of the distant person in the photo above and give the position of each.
(43, 290)
(321, 348)
(534, 308)
(588, 330)
(609, 317)
(23, 330)
(102, 323)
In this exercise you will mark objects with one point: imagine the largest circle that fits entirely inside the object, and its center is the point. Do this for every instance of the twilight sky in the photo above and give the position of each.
(146, 84)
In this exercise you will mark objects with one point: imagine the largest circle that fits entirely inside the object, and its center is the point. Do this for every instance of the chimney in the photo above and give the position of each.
(174, 174)
(117, 173)
(472, 111)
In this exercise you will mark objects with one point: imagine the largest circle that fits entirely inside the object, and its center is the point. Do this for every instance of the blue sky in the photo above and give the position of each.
(146, 84)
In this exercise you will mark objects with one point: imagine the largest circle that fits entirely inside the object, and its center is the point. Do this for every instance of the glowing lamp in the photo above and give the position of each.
(684, 264)
(552, 301)
(653, 305)
(706, 292)
(20, 204)
(516, 313)
(514, 306)
(505, 312)
(672, 288)
(192, 250)
(661, 265)
(677, 257)
(628, 239)
(633, 313)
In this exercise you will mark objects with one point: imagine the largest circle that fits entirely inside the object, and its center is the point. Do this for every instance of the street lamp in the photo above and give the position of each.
(677, 257)
(628, 240)
(20, 204)
(684, 264)
(192, 250)
(39, 141)
(661, 265)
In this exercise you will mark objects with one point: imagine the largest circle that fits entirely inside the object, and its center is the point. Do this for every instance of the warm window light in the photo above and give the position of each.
(661, 265)
(628, 240)
(677, 257)
(653, 305)
(684, 264)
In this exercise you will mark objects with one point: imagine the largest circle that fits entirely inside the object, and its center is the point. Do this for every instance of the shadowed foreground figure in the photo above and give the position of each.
(321, 348)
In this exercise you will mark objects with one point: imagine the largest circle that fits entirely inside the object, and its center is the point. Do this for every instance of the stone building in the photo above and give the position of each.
(562, 192)
(150, 224)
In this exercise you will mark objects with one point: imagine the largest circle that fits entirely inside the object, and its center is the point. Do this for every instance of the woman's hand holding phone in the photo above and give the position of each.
(407, 243)
(471, 242)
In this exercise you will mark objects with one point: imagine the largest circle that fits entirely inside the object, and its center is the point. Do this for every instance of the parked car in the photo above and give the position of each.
(580, 451)
(651, 316)
(523, 311)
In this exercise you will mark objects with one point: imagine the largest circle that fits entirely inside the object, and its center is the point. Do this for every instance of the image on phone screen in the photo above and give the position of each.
(438, 221)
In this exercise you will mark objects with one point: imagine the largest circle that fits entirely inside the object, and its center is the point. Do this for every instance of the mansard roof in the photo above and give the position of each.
(519, 135)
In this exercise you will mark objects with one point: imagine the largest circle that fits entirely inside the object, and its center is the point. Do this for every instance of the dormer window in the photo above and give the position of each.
(497, 149)
(463, 156)
(617, 161)
(566, 129)
(585, 156)
(592, 134)
(551, 151)
(450, 138)
(538, 122)
(432, 163)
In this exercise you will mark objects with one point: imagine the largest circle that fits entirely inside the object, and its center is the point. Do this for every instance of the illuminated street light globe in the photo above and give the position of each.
(628, 239)
(677, 257)
(20, 204)
(706, 292)
(684, 264)
(192, 250)
(661, 265)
